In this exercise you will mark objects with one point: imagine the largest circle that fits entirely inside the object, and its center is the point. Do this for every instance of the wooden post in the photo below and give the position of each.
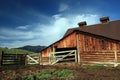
(0, 58)
(75, 56)
(26, 59)
(49, 55)
(39, 58)
(78, 47)
(53, 57)
(115, 52)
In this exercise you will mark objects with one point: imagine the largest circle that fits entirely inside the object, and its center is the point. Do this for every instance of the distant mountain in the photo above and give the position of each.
(35, 49)
(15, 51)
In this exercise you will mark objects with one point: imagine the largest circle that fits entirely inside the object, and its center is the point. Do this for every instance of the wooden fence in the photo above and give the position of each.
(13, 59)
(32, 58)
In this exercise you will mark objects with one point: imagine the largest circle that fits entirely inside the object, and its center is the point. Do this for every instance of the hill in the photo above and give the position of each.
(15, 51)
(35, 49)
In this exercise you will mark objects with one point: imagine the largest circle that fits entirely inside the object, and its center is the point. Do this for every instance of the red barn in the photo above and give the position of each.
(86, 45)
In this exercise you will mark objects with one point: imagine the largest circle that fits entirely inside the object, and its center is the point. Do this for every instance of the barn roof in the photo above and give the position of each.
(109, 29)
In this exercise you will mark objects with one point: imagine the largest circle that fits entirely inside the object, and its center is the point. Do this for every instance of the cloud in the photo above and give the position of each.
(63, 7)
(23, 27)
(14, 34)
(44, 34)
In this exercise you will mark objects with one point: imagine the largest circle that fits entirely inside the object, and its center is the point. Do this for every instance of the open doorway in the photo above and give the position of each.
(65, 55)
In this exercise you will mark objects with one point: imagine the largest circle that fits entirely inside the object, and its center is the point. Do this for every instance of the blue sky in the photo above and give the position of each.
(42, 22)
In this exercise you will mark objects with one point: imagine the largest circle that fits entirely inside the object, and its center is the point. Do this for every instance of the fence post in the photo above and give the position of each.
(39, 58)
(26, 59)
(1, 55)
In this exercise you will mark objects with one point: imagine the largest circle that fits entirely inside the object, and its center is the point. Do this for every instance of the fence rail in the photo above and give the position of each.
(12, 59)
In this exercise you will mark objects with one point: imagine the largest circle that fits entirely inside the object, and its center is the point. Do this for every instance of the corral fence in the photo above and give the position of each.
(12, 59)
(32, 59)
(18, 59)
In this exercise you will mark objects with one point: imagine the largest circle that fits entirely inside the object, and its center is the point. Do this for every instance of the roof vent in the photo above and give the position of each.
(81, 24)
(104, 19)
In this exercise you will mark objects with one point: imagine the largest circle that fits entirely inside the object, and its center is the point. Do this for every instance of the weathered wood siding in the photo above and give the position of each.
(91, 49)
(67, 42)
(95, 49)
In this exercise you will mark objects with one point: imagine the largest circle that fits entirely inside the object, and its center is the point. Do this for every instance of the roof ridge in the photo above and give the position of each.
(109, 29)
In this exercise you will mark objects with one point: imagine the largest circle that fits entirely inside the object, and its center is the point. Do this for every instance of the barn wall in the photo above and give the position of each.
(48, 53)
(94, 49)
(69, 41)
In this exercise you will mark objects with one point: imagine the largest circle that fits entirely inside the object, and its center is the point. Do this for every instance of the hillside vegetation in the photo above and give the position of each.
(15, 51)
(35, 49)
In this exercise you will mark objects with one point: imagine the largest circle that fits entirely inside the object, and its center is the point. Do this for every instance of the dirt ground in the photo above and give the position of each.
(78, 72)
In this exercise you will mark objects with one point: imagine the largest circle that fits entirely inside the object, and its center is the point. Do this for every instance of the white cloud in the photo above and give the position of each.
(63, 7)
(11, 34)
(46, 34)
(23, 27)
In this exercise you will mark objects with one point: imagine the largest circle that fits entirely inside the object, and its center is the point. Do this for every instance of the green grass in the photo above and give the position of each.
(43, 75)
(50, 74)
(15, 51)
(59, 74)
(9, 72)
(28, 77)
(96, 66)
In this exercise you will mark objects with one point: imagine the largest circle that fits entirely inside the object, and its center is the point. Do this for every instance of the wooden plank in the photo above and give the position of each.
(32, 59)
(75, 56)
(78, 47)
(64, 55)
(68, 59)
(63, 51)
(104, 51)
(99, 62)
(115, 55)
